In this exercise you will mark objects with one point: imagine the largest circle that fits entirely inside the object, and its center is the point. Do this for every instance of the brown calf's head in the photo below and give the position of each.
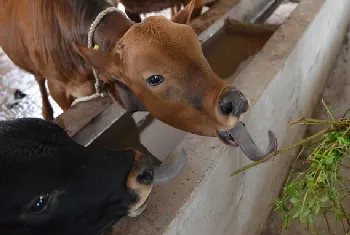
(158, 65)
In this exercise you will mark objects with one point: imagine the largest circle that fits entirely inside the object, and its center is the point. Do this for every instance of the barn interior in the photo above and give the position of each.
(281, 54)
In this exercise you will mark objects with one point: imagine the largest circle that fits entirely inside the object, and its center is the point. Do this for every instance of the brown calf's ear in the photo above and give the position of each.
(184, 16)
(104, 62)
(125, 97)
(107, 64)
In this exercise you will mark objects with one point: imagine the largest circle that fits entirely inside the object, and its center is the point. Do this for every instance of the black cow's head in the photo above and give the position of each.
(51, 185)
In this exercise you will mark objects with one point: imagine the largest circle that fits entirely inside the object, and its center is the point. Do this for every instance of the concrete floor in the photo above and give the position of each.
(13, 78)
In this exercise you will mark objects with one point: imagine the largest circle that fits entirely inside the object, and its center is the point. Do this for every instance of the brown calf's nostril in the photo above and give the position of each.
(233, 102)
(226, 107)
(146, 176)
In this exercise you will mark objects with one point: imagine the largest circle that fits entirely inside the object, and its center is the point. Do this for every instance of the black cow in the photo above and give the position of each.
(50, 185)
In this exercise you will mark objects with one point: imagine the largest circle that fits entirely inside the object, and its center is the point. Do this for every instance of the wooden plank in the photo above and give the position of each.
(99, 124)
(74, 119)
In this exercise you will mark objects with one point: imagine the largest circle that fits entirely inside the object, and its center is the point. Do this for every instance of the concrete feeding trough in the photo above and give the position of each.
(281, 69)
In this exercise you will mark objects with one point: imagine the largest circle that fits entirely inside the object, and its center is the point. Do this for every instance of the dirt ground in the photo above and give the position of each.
(337, 94)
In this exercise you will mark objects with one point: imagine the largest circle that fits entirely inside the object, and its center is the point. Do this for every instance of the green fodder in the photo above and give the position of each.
(320, 188)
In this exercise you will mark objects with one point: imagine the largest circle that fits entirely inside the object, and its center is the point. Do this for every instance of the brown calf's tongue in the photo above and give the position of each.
(243, 139)
(165, 173)
(239, 136)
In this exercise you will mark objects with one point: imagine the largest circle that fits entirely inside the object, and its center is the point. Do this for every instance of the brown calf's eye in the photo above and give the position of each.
(155, 80)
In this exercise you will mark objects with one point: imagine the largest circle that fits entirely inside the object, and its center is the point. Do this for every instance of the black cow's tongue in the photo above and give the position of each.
(239, 136)
(165, 173)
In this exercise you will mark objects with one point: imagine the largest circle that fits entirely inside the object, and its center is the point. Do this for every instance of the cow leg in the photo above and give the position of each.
(46, 107)
(114, 3)
(175, 9)
(133, 16)
(198, 6)
(196, 12)
(58, 93)
(172, 11)
(178, 7)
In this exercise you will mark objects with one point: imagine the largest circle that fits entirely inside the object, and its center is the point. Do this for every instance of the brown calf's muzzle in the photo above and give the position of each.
(233, 102)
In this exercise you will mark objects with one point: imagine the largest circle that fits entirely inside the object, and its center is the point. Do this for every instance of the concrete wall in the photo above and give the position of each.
(293, 92)
(283, 81)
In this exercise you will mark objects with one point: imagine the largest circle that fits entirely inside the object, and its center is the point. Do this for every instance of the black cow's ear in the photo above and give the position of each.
(124, 96)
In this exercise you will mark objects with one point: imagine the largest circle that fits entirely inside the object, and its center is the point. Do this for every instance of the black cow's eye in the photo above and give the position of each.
(42, 207)
(155, 80)
(40, 204)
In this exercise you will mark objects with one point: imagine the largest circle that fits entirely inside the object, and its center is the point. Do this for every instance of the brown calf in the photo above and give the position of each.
(156, 65)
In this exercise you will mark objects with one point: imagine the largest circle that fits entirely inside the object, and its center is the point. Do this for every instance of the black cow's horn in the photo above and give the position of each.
(168, 172)
(243, 139)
